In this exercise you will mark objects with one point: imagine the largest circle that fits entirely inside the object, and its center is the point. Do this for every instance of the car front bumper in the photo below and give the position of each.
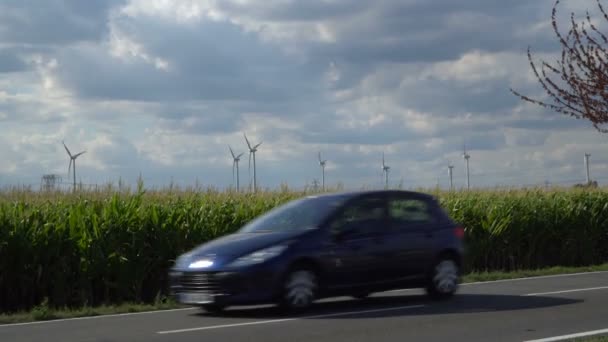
(252, 285)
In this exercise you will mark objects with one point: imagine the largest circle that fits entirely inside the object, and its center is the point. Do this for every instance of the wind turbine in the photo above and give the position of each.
(451, 173)
(322, 164)
(587, 155)
(252, 151)
(72, 161)
(466, 157)
(385, 169)
(235, 164)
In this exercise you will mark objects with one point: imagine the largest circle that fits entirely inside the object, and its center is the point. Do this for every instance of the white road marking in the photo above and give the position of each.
(571, 336)
(94, 317)
(235, 325)
(568, 291)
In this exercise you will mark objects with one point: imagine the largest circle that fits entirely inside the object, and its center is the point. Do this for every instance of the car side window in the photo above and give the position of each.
(410, 210)
(362, 215)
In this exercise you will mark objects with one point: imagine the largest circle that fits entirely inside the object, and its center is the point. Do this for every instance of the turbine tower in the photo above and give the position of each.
(235, 165)
(451, 174)
(252, 151)
(587, 155)
(72, 161)
(322, 164)
(466, 157)
(385, 169)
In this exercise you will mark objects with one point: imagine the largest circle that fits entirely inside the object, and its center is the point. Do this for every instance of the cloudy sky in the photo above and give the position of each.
(162, 88)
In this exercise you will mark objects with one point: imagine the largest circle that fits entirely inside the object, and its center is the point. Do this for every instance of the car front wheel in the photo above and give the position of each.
(299, 289)
(212, 308)
(444, 279)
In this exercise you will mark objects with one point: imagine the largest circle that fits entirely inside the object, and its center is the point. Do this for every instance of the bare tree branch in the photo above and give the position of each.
(577, 83)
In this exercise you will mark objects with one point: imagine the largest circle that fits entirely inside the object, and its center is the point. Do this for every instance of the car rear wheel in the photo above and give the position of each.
(299, 289)
(444, 279)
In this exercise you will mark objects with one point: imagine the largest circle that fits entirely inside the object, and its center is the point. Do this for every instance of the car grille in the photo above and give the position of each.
(197, 282)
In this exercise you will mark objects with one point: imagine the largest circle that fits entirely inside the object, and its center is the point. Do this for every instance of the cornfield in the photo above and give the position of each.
(107, 246)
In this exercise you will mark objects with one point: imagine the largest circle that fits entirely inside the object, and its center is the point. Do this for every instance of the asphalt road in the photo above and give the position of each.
(518, 310)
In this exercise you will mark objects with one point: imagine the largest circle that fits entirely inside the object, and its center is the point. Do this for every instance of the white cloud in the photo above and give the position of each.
(473, 66)
(180, 10)
(126, 49)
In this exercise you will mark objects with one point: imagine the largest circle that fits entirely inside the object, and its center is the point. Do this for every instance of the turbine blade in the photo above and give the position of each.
(67, 149)
(70, 167)
(231, 152)
(247, 140)
(320, 161)
(258, 145)
(79, 154)
(240, 155)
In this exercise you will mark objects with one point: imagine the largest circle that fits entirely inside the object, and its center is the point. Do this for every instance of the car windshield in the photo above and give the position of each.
(299, 214)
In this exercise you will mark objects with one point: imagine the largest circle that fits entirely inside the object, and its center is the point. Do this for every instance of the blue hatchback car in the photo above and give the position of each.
(337, 244)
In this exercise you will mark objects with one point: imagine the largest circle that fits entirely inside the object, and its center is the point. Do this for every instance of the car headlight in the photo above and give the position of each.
(259, 256)
(187, 261)
(202, 263)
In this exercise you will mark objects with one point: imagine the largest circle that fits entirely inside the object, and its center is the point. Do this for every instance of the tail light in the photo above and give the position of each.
(459, 232)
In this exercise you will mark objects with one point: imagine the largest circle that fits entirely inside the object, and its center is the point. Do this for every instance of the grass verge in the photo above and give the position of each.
(44, 313)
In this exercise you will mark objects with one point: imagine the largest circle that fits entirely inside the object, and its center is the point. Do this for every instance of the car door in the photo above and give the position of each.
(410, 246)
(356, 242)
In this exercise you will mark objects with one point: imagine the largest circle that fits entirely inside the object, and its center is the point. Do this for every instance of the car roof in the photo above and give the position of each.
(358, 193)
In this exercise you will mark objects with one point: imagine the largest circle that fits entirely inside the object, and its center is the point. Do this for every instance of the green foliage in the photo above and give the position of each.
(110, 247)
(528, 229)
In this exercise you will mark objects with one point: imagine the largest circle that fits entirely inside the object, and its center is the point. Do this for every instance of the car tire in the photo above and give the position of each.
(212, 308)
(299, 291)
(444, 279)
